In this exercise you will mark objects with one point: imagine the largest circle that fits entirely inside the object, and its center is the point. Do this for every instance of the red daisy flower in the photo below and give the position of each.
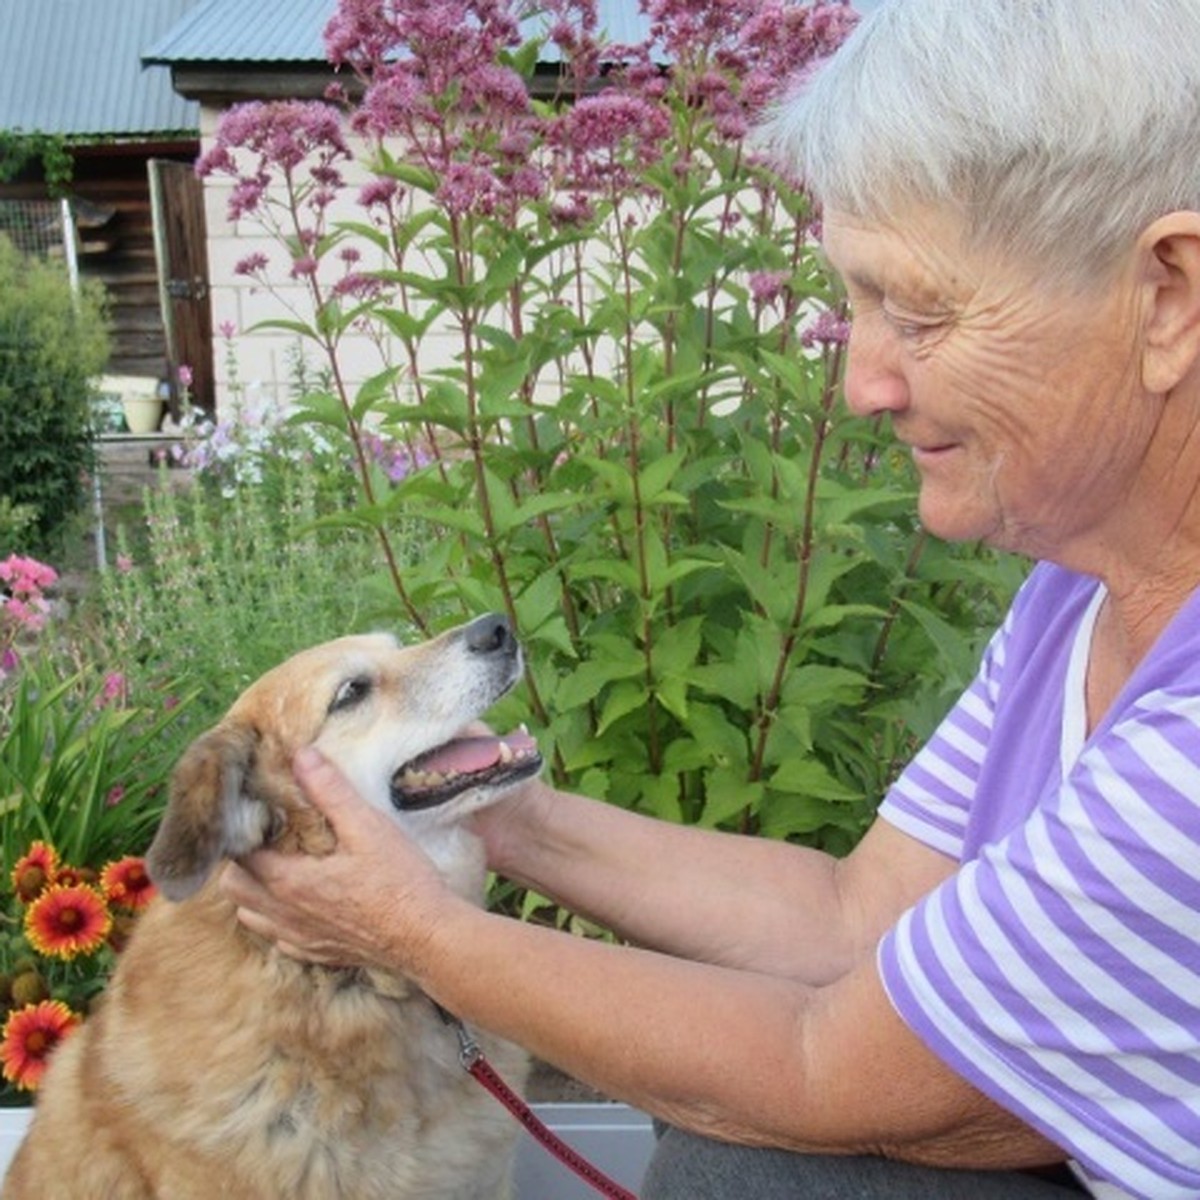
(35, 871)
(29, 1035)
(66, 920)
(126, 883)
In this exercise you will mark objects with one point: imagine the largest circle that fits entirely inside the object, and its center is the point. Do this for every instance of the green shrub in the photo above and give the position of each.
(16, 526)
(51, 343)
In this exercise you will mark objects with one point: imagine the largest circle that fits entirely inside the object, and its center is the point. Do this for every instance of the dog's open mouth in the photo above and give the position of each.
(462, 764)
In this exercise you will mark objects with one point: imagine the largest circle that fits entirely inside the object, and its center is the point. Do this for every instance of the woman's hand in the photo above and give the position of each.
(371, 902)
(510, 826)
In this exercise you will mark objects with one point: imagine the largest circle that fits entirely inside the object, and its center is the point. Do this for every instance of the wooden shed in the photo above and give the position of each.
(71, 70)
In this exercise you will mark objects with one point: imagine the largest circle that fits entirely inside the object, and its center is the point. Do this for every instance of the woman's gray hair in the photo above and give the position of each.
(1058, 129)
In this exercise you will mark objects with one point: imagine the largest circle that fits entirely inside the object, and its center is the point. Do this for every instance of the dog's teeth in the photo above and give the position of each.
(523, 728)
(506, 754)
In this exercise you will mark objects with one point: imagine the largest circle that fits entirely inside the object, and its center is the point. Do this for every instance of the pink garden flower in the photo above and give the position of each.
(26, 577)
(767, 286)
(114, 688)
(829, 329)
(252, 264)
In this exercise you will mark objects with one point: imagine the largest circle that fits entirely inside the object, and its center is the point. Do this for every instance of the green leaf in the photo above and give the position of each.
(728, 795)
(588, 679)
(672, 694)
(372, 391)
(405, 325)
(280, 325)
(809, 777)
(504, 270)
(677, 647)
(621, 701)
(616, 570)
(539, 601)
(660, 797)
(612, 476)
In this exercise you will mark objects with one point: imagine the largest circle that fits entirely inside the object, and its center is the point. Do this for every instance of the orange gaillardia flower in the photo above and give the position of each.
(126, 883)
(29, 1035)
(67, 920)
(35, 871)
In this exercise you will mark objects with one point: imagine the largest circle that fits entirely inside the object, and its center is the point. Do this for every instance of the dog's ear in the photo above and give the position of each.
(210, 814)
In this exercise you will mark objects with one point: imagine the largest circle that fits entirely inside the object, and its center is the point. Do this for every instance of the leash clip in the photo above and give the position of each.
(469, 1051)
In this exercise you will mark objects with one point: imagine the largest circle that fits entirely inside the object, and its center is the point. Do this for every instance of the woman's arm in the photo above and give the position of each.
(712, 897)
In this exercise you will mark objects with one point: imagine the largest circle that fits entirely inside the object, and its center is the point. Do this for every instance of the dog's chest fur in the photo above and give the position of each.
(243, 1073)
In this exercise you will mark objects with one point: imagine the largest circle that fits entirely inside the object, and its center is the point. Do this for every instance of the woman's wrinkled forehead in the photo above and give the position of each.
(921, 251)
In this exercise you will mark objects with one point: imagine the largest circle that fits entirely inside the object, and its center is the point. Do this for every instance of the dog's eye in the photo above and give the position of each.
(351, 692)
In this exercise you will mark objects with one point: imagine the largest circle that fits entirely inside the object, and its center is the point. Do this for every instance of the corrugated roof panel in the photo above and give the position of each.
(286, 31)
(74, 67)
(292, 31)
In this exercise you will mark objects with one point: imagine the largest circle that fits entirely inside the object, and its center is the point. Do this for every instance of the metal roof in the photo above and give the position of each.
(279, 31)
(291, 31)
(73, 67)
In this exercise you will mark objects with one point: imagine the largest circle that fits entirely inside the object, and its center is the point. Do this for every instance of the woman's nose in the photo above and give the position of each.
(874, 382)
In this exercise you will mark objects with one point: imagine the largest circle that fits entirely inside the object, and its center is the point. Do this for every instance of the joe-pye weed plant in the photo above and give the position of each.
(635, 447)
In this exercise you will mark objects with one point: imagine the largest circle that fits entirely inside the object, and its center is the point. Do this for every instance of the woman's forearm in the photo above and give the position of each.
(741, 902)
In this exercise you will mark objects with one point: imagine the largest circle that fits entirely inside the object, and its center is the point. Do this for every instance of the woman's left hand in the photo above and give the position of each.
(371, 902)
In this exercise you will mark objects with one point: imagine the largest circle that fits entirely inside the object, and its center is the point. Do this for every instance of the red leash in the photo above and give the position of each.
(475, 1063)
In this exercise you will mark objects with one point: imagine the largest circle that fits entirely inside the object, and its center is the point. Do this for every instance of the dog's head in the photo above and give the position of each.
(394, 719)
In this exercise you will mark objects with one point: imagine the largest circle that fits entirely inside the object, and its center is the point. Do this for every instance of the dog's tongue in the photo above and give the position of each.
(470, 754)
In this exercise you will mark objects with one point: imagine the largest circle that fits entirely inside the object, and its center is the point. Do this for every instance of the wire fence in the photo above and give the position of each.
(36, 227)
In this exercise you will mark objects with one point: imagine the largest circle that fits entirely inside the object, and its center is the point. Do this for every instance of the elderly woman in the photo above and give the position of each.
(998, 992)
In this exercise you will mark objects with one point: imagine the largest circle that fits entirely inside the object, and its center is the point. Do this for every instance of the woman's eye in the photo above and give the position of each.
(908, 326)
(351, 692)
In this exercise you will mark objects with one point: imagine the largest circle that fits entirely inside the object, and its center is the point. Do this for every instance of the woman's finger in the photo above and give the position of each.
(327, 789)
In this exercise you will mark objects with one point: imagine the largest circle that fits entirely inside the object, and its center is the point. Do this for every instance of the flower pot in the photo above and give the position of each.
(617, 1139)
(142, 413)
(139, 396)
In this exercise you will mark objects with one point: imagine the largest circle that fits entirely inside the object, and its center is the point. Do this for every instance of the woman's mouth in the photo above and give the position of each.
(932, 455)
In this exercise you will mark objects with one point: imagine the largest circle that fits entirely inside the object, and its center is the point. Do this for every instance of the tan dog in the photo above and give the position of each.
(217, 1067)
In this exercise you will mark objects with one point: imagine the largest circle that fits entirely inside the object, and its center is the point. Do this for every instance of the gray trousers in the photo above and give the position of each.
(687, 1167)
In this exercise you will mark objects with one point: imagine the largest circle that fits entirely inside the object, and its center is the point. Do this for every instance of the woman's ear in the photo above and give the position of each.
(1171, 347)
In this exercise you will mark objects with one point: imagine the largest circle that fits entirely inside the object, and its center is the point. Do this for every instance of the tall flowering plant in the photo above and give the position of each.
(600, 318)
(62, 927)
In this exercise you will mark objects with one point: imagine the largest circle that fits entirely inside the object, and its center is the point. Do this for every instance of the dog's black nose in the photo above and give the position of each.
(491, 634)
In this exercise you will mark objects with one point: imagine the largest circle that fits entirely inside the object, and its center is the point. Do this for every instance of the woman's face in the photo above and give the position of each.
(1021, 402)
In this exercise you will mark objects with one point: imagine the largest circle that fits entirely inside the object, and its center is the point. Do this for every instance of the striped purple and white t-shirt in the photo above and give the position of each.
(1059, 969)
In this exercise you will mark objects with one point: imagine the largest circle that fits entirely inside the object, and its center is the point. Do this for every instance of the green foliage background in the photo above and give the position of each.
(51, 344)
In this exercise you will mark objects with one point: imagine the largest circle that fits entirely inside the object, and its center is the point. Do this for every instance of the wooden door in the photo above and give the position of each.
(177, 198)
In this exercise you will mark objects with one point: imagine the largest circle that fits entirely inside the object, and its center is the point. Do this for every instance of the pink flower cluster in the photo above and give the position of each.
(23, 582)
(24, 607)
(733, 57)
(302, 141)
(439, 90)
(830, 328)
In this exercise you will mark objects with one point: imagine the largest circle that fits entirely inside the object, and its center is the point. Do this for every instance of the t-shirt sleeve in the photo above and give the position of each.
(931, 799)
(1059, 971)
